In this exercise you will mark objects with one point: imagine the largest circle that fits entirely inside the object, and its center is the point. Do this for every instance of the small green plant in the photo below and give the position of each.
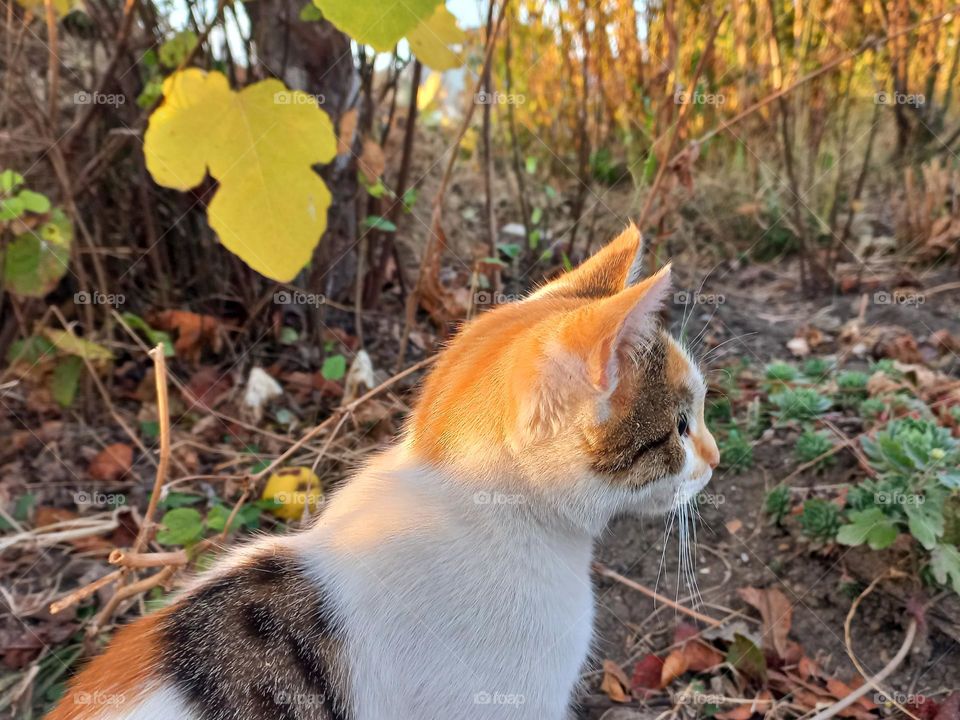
(781, 372)
(736, 452)
(852, 387)
(719, 412)
(777, 503)
(911, 447)
(811, 445)
(799, 404)
(817, 368)
(820, 520)
(871, 408)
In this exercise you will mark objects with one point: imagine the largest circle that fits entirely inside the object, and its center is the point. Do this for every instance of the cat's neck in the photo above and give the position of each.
(398, 492)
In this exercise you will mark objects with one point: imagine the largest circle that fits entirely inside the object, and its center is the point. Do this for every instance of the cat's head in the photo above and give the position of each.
(575, 393)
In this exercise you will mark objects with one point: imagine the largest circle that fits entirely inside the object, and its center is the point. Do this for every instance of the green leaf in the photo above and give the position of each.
(409, 199)
(649, 169)
(310, 13)
(66, 379)
(746, 657)
(374, 22)
(181, 526)
(34, 202)
(10, 179)
(334, 367)
(511, 250)
(11, 208)
(536, 216)
(217, 518)
(177, 49)
(150, 429)
(156, 337)
(530, 165)
(871, 526)
(925, 519)
(179, 499)
(376, 222)
(73, 345)
(945, 564)
(30, 351)
(37, 260)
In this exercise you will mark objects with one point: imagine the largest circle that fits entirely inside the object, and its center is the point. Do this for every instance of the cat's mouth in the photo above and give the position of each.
(690, 487)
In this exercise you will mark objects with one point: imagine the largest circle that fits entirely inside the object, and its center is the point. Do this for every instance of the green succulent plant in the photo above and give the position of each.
(800, 404)
(777, 503)
(820, 520)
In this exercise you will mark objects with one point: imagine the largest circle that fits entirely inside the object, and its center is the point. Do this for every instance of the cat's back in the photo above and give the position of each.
(257, 639)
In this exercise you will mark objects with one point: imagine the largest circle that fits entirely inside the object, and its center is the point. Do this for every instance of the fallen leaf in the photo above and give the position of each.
(195, 332)
(111, 463)
(674, 666)
(776, 612)
(294, 490)
(734, 526)
(646, 676)
(614, 682)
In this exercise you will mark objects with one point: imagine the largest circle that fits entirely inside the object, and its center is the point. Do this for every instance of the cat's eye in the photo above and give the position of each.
(682, 425)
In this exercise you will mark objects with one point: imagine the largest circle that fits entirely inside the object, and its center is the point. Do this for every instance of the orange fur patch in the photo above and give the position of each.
(116, 680)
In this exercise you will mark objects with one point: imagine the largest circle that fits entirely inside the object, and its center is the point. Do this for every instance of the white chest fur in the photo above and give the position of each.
(454, 604)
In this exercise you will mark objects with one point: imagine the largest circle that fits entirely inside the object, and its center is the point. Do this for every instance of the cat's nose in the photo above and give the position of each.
(709, 451)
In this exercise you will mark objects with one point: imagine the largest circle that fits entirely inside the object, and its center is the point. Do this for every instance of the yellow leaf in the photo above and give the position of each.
(72, 345)
(294, 489)
(380, 23)
(431, 40)
(259, 143)
(60, 7)
(429, 91)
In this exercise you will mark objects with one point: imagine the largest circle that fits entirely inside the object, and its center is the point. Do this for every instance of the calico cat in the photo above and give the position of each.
(450, 578)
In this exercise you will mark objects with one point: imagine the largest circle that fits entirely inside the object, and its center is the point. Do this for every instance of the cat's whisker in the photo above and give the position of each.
(707, 355)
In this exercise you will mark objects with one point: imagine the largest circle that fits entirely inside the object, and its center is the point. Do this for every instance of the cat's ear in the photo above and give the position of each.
(600, 334)
(613, 268)
(580, 357)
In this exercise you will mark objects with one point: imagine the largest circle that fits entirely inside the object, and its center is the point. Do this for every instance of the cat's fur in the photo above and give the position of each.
(451, 577)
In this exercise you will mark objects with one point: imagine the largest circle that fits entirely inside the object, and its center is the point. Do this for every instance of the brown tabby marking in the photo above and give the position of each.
(258, 642)
(644, 412)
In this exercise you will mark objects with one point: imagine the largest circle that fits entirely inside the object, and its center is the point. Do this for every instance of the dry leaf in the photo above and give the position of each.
(673, 667)
(734, 526)
(646, 676)
(348, 125)
(372, 162)
(614, 682)
(776, 613)
(194, 331)
(112, 463)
